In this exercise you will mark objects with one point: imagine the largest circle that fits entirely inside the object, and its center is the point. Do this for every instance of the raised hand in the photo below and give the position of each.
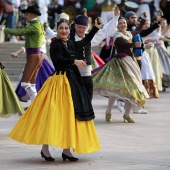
(117, 11)
(98, 22)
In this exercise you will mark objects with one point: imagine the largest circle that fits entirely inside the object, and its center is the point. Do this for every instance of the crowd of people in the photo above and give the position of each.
(61, 86)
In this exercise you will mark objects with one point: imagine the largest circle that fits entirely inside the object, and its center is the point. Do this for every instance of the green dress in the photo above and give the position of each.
(9, 102)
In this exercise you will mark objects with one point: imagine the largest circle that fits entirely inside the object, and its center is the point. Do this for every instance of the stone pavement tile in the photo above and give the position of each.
(143, 145)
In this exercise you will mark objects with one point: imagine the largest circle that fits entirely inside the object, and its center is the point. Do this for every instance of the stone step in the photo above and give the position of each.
(13, 72)
(16, 46)
(13, 65)
(13, 78)
(9, 50)
(9, 59)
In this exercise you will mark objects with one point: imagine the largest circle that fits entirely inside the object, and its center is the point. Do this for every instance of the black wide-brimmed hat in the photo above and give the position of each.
(32, 9)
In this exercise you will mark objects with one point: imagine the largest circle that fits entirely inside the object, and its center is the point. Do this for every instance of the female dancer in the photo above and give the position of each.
(61, 115)
(147, 73)
(158, 39)
(154, 57)
(120, 78)
(165, 28)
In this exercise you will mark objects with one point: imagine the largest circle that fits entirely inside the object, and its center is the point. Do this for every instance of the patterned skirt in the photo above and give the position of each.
(121, 77)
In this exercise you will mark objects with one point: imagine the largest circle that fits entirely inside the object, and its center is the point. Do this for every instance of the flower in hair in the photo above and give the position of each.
(53, 39)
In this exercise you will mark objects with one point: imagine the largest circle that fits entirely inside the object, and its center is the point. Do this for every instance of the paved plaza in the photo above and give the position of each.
(144, 145)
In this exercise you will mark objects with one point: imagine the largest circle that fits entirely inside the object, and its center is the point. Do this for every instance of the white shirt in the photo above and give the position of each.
(108, 29)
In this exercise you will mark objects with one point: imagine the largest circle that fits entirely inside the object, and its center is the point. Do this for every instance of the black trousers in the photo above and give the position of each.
(88, 83)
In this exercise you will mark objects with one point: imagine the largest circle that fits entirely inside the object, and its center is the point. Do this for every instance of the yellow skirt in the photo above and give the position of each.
(50, 120)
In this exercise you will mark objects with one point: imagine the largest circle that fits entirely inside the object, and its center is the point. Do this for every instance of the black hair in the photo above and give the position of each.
(121, 18)
(164, 19)
(153, 19)
(61, 21)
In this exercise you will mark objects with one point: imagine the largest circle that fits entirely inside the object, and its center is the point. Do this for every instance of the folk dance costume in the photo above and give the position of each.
(107, 8)
(164, 56)
(84, 53)
(121, 76)
(33, 41)
(107, 48)
(9, 101)
(167, 35)
(148, 76)
(156, 65)
(155, 62)
(163, 53)
(46, 70)
(147, 72)
(161, 57)
(142, 57)
(61, 115)
(166, 78)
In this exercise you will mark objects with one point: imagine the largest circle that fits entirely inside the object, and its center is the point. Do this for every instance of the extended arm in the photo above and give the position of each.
(108, 29)
(146, 32)
(23, 31)
(50, 32)
(139, 28)
(87, 38)
(16, 53)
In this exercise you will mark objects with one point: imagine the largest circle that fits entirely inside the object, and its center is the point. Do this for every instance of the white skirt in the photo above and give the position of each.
(146, 68)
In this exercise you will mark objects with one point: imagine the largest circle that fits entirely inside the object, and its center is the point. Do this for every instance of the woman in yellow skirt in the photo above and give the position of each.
(61, 115)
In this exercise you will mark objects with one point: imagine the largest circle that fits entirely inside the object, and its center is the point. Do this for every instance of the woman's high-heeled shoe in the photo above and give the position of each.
(129, 119)
(72, 159)
(47, 158)
(108, 117)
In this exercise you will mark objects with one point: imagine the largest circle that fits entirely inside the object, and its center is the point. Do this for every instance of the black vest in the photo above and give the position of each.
(84, 53)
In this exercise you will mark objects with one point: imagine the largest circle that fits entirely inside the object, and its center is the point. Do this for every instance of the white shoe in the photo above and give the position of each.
(142, 111)
(120, 105)
(31, 92)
